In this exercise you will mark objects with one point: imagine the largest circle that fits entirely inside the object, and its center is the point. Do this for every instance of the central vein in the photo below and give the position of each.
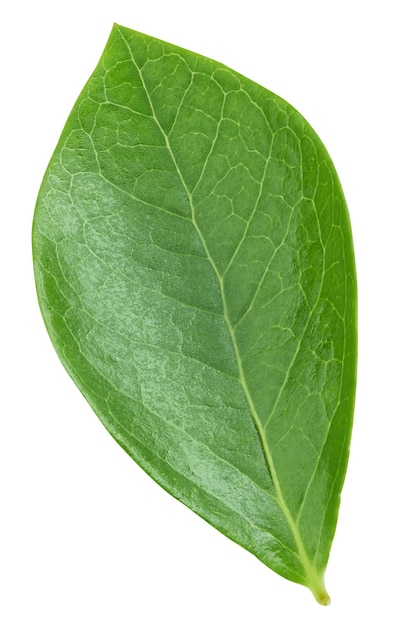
(309, 569)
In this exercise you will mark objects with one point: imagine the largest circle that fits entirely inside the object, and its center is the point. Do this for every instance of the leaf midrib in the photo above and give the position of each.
(309, 569)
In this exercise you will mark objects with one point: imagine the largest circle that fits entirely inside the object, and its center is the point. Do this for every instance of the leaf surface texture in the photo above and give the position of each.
(194, 266)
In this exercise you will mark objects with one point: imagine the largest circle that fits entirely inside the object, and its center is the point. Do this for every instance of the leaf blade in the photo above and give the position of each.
(169, 327)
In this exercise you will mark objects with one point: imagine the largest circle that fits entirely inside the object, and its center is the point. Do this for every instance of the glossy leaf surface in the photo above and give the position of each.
(194, 267)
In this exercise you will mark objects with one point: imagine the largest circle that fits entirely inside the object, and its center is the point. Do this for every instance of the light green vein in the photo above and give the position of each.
(315, 580)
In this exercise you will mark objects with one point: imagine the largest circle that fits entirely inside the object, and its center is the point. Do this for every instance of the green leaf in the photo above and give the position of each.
(194, 267)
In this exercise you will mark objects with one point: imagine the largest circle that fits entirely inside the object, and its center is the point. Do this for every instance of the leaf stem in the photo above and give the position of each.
(318, 589)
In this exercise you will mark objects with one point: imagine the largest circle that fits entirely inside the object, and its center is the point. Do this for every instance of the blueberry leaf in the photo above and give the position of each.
(194, 267)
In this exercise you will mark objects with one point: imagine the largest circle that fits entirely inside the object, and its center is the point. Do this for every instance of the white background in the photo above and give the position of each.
(86, 537)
